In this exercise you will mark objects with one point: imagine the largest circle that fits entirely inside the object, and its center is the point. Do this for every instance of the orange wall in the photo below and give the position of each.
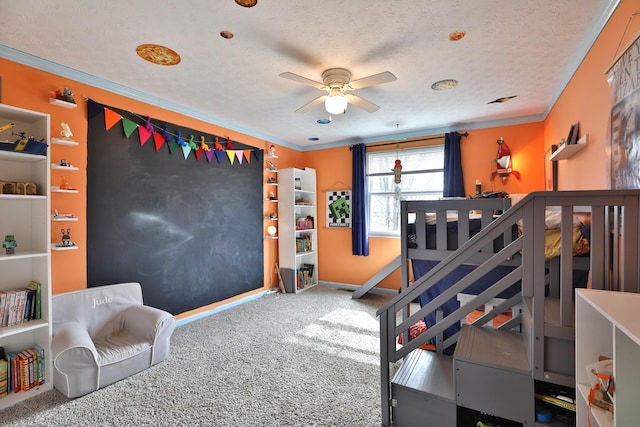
(586, 100)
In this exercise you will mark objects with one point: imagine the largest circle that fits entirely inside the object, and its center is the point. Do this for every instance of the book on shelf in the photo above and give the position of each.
(10, 308)
(41, 366)
(36, 312)
(25, 381)
(3, 301)
(14, 372)
(20, 305)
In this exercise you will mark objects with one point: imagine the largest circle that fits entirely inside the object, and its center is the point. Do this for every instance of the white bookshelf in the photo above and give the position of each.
(296, 202)
(27, 218)
(608, 324)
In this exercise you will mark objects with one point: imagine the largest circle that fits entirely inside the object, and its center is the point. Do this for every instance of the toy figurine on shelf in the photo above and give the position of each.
(66, 131)
(64, 184)
(9, 244)
(66, 239)
(272, 151)
(65, 95)
(272, 166)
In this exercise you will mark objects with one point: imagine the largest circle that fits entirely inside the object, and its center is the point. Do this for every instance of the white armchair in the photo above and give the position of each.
(104, 334)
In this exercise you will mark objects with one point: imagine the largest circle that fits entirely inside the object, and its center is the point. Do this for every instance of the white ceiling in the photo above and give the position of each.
(512, 47)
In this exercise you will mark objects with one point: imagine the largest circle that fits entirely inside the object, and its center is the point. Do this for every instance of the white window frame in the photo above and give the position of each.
(387, 201)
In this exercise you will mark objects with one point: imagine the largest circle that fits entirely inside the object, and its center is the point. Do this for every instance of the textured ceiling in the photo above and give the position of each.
(512, 47)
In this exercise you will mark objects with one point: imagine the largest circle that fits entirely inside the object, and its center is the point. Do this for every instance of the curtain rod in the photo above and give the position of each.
(431, 138)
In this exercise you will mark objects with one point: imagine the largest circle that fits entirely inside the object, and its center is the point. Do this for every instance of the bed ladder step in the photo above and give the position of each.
(493, 374)
(424, 385)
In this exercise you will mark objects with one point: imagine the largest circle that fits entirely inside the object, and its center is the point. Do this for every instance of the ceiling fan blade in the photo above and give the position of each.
(376, 79)
(309, 105)
(303, 80)
(362, 103)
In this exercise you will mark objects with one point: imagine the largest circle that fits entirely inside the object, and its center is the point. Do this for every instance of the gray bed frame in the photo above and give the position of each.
(534, 347)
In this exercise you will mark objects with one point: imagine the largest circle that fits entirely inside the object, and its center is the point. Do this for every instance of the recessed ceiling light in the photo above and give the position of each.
(456, 35)
(247, 3)
(226, 34)
(503, 99)
(157, 54)
(444, 84)
(323, 121)
(313, 138)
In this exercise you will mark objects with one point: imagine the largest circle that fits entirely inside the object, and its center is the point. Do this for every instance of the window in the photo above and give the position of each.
(422, 179)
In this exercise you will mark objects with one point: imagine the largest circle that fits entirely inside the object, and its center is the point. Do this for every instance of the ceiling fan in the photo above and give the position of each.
(337, 83)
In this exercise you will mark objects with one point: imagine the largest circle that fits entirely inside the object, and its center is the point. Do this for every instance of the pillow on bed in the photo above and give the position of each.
(553, 219)
(516, 197)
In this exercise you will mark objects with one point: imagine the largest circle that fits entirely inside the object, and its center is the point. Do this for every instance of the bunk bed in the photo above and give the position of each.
(449, 223)
(502, 247)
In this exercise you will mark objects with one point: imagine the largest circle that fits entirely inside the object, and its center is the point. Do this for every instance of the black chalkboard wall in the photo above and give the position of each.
(189, 231)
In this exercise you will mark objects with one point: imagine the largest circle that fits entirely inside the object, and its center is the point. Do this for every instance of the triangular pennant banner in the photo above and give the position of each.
(257, 154)
(143, 134)
(128, 126)
(247, 155)
(231, 154)
(158, 140)
(239, 156)
(219, 154)
(199, 152)
(186, 150)
(209, 155)
(110, 118)
(172, 146)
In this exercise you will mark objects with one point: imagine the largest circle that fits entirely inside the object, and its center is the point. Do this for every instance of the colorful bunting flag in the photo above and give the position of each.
(158, 140)
(110, 118)
(219, 154)
(143, 134)
(209, 154)
(146, 131)
(186, 150)
(172, 146)
(128, 126)
(231, 154)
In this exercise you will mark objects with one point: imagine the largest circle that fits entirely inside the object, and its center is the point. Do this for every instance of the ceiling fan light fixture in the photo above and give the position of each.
(336, 103)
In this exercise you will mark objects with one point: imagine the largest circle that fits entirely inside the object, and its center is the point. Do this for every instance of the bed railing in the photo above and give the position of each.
(613, 263)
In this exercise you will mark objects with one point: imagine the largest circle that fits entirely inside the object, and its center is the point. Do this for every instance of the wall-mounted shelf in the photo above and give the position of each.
(565, 151)
(64, 217)
(62, 103)
(60, 141)
(56, 166)
(59, 190)
(62, 248)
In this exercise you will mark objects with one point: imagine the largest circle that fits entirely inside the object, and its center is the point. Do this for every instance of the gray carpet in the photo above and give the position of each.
(310, 359)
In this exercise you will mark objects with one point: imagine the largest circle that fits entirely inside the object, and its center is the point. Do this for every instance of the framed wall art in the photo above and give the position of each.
(624, 134)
